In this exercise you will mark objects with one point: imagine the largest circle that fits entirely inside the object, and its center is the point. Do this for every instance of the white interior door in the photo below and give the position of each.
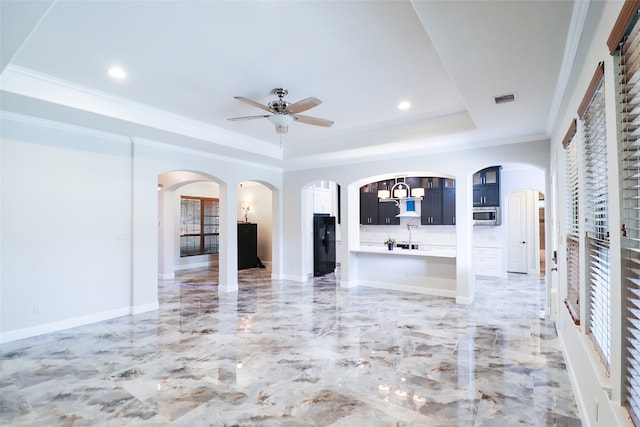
(516, 222)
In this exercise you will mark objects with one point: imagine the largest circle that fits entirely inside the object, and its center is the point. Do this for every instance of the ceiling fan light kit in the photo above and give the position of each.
(281, 122)
(283, 112)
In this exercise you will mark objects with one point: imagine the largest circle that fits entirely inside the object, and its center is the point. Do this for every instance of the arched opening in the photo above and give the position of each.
(188, 223)
(255, 225)
(513, 244)
(432, 222)
(321, 224)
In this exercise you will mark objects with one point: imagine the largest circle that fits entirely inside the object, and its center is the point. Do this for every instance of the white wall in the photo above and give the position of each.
(599, 396)
(80, 222)
(66, 227)
(261, 213)
(460, 165)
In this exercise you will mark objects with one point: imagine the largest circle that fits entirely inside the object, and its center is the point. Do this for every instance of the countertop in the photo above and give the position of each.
(422, 252)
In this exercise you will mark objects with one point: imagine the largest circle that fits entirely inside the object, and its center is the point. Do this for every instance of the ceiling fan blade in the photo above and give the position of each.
(252, 102)
(303, 105)
(313, 121)
(248, 117)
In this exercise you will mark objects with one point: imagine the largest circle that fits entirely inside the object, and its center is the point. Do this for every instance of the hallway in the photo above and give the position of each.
(280, 353)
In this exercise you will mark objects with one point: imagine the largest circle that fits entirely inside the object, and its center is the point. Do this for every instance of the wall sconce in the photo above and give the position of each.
(246, 208)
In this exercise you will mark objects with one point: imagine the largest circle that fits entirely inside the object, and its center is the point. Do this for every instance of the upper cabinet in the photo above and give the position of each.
(369, 204)
(437, 206)
(486, 187)
(448, 201)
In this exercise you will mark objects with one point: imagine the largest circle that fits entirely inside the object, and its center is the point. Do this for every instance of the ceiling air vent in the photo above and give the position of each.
(503, 99)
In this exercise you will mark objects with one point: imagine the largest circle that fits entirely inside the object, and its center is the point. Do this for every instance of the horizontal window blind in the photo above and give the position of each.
(597, 223)
(572, 300)
(629, 115)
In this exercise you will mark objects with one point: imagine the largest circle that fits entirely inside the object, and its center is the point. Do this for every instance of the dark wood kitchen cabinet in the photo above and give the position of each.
(486, 187)
(448, 201)
(439, 203)
(431, 209)
(368, 207)
(247, 245)
(387, 212)
(373, 211)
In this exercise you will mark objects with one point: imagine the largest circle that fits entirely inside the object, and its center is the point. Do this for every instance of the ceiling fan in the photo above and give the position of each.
(283, 112)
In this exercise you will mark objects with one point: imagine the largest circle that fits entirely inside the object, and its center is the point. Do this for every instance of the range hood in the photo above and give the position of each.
(408, 208)
(408, 214)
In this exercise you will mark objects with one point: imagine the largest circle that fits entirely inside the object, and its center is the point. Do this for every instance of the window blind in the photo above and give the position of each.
(572, 300)
(597, 223)
(629, 116)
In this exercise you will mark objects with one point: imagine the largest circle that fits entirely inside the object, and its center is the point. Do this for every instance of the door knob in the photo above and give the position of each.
(524, 243)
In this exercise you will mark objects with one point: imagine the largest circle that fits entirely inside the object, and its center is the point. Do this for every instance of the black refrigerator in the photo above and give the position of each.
(324, 244)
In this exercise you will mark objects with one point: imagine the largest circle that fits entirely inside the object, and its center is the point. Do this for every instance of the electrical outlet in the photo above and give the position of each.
(37, 308)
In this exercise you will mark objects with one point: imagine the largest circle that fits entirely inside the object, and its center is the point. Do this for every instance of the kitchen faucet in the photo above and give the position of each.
(409, 227)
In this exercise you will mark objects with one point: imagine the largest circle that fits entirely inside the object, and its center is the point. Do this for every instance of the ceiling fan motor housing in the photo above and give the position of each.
(279, 106)
(284, 113)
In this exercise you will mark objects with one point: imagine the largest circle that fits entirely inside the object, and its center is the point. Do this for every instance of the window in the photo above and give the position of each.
(199, 223)
(572, 300)
(597, 222)
(624, 43)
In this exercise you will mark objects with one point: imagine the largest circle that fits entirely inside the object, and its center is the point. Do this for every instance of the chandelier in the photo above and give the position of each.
(403, 196)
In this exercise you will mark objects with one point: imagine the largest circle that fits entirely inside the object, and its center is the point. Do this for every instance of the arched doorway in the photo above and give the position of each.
(321, 199)
(188, 222)
(255, 207)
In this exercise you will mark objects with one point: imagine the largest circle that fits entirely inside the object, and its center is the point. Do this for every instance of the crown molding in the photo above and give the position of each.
(28, 83)
(576, 27)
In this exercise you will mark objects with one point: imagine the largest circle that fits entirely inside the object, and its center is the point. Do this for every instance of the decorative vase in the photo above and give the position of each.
(390, 246)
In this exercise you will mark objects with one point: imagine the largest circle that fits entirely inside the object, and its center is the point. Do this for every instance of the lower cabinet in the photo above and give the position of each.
(247, 245)
(488, 261)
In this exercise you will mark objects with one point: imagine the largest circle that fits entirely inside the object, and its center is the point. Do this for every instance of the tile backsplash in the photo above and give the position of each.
(429, 234)
(432, 234)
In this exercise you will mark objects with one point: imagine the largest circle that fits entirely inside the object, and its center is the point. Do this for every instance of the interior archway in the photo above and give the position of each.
(177, 240)
(320, 198)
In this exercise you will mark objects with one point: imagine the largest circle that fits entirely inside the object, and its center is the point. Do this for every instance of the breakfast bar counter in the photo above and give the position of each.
(427, 270)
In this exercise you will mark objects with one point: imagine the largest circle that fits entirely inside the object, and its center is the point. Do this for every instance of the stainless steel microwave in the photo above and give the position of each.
(486, 215)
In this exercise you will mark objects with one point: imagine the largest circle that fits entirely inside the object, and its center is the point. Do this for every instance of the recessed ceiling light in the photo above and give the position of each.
(404, 105)
(117, 73)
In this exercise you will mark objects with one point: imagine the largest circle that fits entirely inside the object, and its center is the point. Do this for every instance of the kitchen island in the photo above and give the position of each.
(427, 270)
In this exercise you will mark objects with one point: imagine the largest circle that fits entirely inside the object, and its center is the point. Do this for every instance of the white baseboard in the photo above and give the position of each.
(201, 264)
(348, 284)
(166, 276)
(408, 288)
(294, 278)
(152, 306)
(464, 300)
(47, 328)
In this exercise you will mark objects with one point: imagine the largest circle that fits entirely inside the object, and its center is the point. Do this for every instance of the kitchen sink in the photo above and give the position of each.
(407, 245)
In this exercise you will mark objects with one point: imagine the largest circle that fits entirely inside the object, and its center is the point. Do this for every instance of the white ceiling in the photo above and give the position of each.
(186, 60)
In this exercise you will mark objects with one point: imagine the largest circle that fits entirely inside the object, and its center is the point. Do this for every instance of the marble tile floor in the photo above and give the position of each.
(280, 353)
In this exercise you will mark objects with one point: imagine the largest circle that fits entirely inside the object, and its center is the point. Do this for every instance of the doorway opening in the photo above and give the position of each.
(255, 225)
(321, 220)
(525, 232)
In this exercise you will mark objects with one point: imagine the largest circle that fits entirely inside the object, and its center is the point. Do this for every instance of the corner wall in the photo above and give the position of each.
(79, 222)
(599, 394)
